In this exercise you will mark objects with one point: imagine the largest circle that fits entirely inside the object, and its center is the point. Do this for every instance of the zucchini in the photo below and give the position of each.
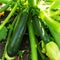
(15, 41)
(40, 29)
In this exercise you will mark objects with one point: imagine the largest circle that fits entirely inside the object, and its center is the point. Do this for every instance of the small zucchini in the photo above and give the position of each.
(40, 29)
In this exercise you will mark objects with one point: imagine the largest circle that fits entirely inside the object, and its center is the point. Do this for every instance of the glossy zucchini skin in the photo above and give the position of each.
(15, 41)
(40, 29)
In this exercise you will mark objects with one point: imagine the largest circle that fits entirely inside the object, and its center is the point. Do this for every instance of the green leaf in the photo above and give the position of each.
(21, 52)
(56, 4)
(57, 18)
(10, 27)
(32, 3)
(3, 33)
(49, 0)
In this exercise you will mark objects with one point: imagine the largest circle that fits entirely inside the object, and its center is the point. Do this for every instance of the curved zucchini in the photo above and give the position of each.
(15, 41)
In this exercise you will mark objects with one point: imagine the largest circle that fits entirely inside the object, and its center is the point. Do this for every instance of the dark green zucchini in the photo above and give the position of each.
(15, 41)
(40, 29)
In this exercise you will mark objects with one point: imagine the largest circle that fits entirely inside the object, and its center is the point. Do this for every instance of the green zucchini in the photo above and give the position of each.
(15, 41)
(40, 29)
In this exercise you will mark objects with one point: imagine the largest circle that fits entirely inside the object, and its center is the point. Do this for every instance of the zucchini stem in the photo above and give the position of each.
(5, 1)
(9, 16)
(32, 41)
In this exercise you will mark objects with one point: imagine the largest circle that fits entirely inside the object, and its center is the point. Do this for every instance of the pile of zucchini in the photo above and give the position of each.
(39, 18)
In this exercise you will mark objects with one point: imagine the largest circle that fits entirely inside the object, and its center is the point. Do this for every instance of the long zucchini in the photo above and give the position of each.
(15, 41)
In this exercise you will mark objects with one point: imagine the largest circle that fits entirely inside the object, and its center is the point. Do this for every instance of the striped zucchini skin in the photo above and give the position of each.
(15, 41)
